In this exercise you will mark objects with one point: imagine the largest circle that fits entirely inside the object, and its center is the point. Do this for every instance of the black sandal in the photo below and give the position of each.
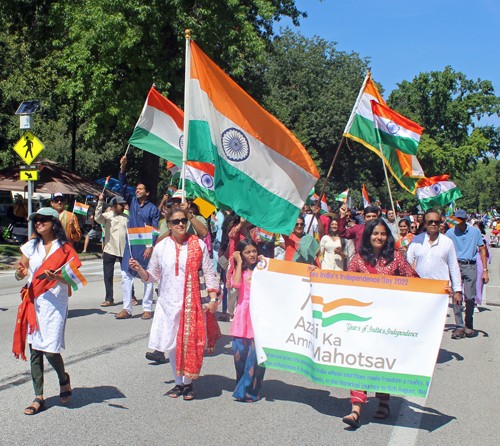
(355, 423)
(33, 410)
(176, 391)
(381, 414)
(68, 393)
(188, 393)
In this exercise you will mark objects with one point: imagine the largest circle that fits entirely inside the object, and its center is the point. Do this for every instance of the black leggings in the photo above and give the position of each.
(55, 360)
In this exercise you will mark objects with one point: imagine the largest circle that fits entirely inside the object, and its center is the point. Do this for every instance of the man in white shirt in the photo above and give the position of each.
(436, 258)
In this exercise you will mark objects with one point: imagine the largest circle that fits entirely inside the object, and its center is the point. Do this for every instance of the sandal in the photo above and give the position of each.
(68, 393)
(381, 413)
(188, 393)
(176, 391)
(33, 410)
(108, 304)
(355, 423)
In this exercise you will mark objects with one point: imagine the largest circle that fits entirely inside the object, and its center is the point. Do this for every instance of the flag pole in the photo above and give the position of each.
(347, 128)
(388, 184)
(187, 82)
(59, 269)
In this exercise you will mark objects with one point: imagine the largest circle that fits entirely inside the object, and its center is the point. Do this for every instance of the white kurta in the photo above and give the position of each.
(51, 307)
(161, 269)
(331, 260)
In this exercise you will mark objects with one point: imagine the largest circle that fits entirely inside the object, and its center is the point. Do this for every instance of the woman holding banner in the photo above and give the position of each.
(180, 325)
(43, 312)
(376, 256)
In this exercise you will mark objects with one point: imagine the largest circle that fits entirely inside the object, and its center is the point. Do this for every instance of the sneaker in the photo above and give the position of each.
(156, 356)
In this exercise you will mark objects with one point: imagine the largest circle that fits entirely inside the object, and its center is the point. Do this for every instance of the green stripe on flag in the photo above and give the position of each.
(145, 140)
(141, 241)
(441, 199)
(253, 201)
(199, 139)
(68, 279)
(406, 145)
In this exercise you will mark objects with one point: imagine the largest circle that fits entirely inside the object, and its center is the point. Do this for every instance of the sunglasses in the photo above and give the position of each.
(299, 224)
(413, 227)
(59, 200)
(433, 222)
(177, 221)
(42, 220)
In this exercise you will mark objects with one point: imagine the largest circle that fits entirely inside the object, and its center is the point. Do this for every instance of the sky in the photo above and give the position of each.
(406, 37)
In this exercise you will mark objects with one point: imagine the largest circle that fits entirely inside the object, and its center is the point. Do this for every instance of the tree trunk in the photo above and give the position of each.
(150, 174)
(73, 140)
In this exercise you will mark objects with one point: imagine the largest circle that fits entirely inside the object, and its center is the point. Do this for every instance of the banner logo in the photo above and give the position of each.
(328, 317)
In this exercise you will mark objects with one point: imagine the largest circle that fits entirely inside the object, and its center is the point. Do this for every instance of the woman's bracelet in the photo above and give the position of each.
(18, 277)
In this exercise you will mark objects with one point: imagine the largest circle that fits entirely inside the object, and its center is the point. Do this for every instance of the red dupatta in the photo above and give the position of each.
(26, 314)
(191, 337)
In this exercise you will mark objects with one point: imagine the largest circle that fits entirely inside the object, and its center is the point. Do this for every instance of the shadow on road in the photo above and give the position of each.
(445, 356)
(85, 312)
(83, 396)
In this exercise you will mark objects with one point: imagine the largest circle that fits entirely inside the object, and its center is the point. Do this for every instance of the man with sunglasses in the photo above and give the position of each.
(68, 220)
(435, 258)
(141, 213)
(468, 242)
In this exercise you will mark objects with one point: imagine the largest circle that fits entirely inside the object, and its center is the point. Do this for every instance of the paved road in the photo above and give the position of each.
(119, 397)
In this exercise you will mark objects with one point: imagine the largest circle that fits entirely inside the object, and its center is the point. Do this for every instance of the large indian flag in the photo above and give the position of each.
(437, 191)
(262, 171)
(404, 166)
(159, 128)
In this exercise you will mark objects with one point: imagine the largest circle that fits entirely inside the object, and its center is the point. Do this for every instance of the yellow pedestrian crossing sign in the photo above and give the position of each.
(28, 175)
(29, 147)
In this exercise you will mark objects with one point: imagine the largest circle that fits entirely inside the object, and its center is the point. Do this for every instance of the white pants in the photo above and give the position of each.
(179, 380)
(127, 288)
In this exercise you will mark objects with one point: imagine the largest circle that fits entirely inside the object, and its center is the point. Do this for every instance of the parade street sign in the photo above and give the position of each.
(29, 175)
(29, 147)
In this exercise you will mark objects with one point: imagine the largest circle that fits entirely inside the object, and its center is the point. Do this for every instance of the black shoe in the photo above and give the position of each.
(156, 356)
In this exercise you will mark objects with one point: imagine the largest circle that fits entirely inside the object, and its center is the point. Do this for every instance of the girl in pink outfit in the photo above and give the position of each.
(249, 375)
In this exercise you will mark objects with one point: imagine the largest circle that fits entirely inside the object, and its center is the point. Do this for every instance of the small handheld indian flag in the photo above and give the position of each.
(343, 196)
(74, 277)
(107, 181)
(398, 206)
(153, 230)
(172, 190)
(405, 241)
(383, 212)
(140, 236)
(453, 221)
(80, 208)
(366, 200)
(266, 235)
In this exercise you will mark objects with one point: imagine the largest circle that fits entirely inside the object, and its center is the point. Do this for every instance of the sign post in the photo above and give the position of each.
(28, 148)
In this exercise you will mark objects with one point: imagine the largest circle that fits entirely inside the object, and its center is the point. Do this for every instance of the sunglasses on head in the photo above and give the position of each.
(42, 220)
(177, 221)
(433, 222)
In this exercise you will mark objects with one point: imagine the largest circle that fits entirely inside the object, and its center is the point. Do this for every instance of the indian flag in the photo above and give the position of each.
(313, 196)
(366, 200)
(437, 191)
(200, 181)
(140, 236)
(405, 241)
(394, 130)
(343, 196)
(74, 277)
(153, 230)
(159, 128)
(262, 171)
(404, 166)
(80, 208)
(107, 181)
(266, 235)
(453, 221)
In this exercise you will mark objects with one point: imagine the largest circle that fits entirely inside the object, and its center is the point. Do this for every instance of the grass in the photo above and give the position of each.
(9, 250)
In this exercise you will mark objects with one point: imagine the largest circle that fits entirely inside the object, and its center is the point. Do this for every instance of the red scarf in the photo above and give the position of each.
(26, 314)
(191, 337)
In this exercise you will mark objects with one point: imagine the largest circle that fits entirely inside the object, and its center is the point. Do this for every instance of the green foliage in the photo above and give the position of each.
(449, 107)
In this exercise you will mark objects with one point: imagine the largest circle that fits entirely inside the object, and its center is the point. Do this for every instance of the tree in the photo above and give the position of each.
(93, 62)
(449, 107)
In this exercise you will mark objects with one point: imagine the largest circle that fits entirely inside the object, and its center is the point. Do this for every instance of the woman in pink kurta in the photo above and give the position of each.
(249, 375)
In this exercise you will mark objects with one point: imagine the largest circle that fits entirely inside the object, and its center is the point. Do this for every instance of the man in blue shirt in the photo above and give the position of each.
(141, 213)
(468, 244)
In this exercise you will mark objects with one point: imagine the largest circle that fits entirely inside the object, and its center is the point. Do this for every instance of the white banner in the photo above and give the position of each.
(351, 330)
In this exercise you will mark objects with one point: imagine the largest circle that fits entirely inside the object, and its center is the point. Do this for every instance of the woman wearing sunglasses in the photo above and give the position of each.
(44, 309)
(179, 322)
(299, 246)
